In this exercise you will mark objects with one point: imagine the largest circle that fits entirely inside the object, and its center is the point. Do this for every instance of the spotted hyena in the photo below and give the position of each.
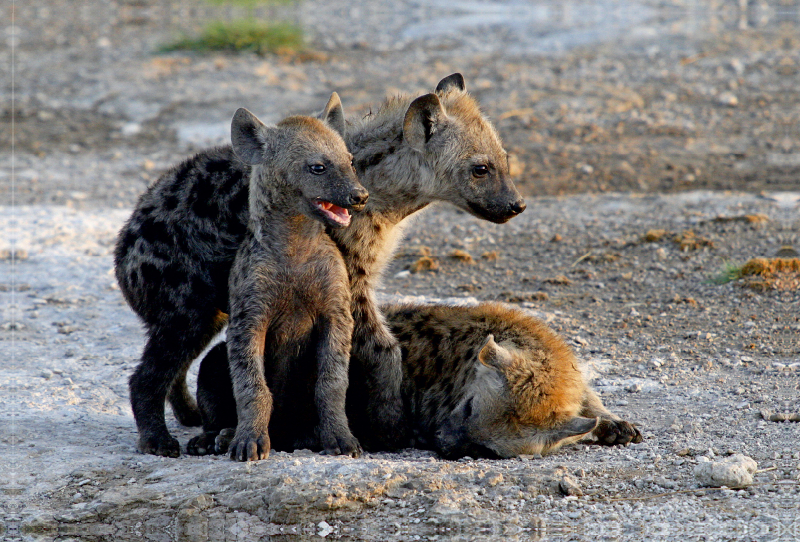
(410, 153)
(484, 381)
(174, 255)
(492, 381)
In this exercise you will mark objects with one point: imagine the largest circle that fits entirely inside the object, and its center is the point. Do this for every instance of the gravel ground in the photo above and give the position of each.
(693, 374)
(655, 141)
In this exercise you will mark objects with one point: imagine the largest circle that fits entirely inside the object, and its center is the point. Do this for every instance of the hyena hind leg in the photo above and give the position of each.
(612, 429)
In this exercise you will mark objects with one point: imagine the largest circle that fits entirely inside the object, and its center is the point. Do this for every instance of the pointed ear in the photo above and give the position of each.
(333, 114)
(494, 355)
(422, 120)
(453, 81)
(248, 136)
(568, 433)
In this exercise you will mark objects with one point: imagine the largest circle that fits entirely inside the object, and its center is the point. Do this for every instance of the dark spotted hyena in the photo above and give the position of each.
(485, 381)
(172, 260)
(412, 152)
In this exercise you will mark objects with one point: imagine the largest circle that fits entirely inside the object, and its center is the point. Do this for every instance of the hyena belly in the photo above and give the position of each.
(172, 261)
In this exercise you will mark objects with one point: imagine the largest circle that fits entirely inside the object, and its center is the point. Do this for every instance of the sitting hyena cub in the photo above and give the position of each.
(174, 255)
(484, 381)
(493, 381)
(289, 294)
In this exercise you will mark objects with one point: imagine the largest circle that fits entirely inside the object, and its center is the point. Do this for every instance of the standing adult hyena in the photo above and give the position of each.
(484, 381)
(289, 294)
(172, 260)
(438, 147)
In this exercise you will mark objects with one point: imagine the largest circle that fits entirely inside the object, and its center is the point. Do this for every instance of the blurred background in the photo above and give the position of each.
(589, 96)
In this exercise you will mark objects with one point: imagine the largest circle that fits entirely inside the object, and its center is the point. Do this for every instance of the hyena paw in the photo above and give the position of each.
(341, 445)
(163, 445)
(223, 441)
(203, 444)
(249, 446)
(611, 432)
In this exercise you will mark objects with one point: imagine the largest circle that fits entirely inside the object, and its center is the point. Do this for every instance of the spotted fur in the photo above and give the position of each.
(485, 381)
(411, 153)
(184, 271)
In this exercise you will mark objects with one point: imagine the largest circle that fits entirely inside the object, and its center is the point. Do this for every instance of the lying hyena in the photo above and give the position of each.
(484, 381)
(289, 294)
(173, 259)
(493, 381)
(438, 147)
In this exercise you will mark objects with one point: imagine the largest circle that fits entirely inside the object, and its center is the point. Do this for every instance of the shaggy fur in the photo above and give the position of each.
(412, 152)
(174, 256)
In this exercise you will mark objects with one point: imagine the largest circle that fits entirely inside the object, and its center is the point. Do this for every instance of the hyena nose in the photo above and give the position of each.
(359, 197)
(518, 206)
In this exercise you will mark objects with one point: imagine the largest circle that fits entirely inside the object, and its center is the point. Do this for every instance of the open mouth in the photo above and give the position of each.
(334, 213)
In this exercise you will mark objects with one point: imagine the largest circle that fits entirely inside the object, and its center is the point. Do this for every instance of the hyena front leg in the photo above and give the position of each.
(246, 332)
(333, 357)
(612, 429)
(379, 366)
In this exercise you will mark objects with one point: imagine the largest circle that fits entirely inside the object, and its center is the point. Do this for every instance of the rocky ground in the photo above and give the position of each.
(625, 122)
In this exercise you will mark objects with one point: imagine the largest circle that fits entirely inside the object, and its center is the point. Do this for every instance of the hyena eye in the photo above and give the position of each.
(317, 169)
(480, 170)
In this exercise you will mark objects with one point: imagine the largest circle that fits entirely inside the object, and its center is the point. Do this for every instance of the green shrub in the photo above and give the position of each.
(242, 35)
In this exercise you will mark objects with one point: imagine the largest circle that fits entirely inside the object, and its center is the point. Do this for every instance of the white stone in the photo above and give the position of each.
(733, 471)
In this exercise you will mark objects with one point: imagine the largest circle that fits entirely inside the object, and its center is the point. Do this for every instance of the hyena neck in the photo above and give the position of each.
(275, 215)
(396, 176)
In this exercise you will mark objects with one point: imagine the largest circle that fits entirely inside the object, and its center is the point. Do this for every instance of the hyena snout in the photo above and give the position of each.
(518, 206)
(358, 198)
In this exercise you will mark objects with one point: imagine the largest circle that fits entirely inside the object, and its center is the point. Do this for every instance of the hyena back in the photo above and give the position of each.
(289, 294)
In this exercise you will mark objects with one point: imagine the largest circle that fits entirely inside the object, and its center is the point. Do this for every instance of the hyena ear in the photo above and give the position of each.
(249, 137)
(422, 120)
(453, 81)
(494, 355)
(571, 431)
(333, 114)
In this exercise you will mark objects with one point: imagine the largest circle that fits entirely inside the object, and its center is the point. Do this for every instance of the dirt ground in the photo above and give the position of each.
(657, 146)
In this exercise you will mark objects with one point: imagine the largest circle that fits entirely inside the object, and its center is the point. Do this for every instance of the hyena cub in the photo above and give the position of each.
(490, 381)
(484, 381)
(289, 294)
(172, 260)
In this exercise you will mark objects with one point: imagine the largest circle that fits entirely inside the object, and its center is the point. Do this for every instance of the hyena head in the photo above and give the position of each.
(469, 162)
(515, 406)
(306, 154)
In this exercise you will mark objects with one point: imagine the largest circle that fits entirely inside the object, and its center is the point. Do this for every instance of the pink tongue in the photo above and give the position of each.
(334, 209)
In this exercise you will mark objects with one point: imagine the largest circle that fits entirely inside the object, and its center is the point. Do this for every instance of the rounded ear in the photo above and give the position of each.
(248, 136)
(333, 114)
(494, 355)
(453, 81)
(422, 120)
